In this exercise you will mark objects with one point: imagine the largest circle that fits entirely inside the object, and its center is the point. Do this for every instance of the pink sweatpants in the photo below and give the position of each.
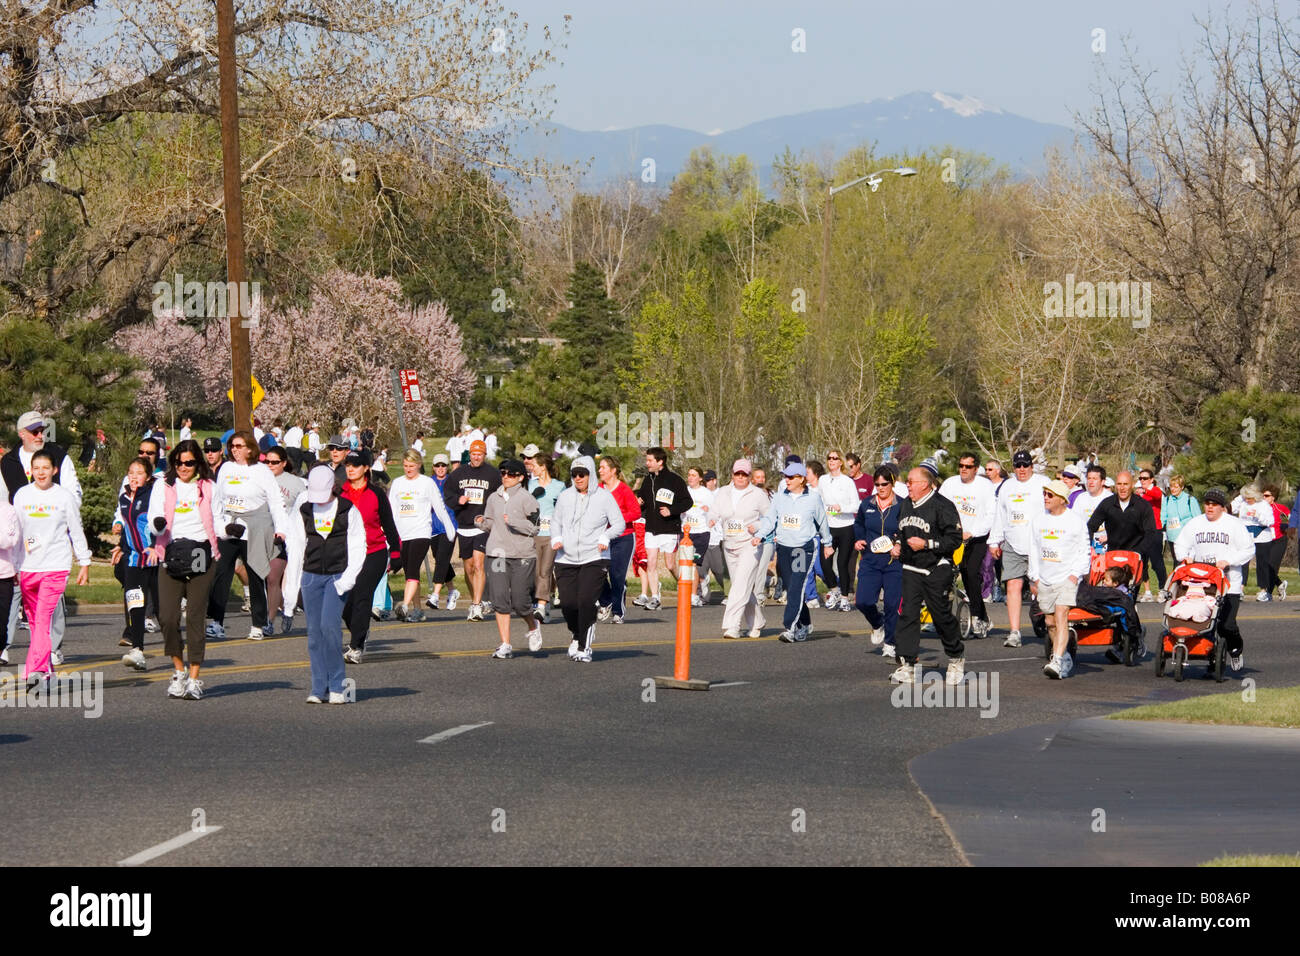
(41, 593)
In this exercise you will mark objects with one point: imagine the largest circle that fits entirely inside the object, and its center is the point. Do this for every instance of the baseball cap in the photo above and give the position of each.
(1109, 482)
(1058, 488)
(583, 463)
(513, 466)
(1072, 471)
(212, 443)
(359, 457)
(320, 484)
(441, 459)
(337, 441)
(1216, 496)
(793, 458)
(531, 450)
(478, 445)
(793, 468)
(1022, 459)
(742, 464)
(709, 475)
(31, 420)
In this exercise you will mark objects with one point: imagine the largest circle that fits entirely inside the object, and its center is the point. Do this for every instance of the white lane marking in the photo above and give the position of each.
(175, 843)
(733, 683)
(1003, 660)
(443, 735)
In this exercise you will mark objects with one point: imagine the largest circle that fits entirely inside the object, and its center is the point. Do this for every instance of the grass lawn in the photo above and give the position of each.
(1270, 708)
(1272, 859)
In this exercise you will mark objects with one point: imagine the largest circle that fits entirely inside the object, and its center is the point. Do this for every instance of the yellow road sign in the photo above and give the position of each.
(259, 393)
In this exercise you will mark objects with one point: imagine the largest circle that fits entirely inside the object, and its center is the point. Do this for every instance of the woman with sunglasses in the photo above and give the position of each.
(875, 529)
(798, 518)
(249, 508)
(184, 528)
(291, 486)
(415, 498)
(840, 498)
(613, 595)
(546, 488)
(383, 548)
(442, 544)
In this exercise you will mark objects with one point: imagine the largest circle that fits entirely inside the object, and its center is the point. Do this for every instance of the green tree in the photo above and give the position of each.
(1244, 436)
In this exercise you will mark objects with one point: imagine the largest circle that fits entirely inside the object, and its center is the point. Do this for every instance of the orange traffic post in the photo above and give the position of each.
(681, 679)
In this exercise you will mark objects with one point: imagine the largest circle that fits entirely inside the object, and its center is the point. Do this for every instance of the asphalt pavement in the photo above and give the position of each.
(798, 754)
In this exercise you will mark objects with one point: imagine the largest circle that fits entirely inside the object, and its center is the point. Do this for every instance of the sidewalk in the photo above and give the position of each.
(1172, 794)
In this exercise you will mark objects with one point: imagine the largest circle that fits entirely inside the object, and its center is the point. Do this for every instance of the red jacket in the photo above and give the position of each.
(627, 504)
(1154, 497)
(377, 513)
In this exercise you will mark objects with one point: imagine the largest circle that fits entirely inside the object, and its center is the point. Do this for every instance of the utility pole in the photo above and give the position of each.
(241, 368)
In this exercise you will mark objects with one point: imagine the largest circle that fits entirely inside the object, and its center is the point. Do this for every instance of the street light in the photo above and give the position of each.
(871, 179)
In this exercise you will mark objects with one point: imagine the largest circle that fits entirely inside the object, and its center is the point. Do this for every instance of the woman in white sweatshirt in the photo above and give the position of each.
(415, 498)
(50, 518)
(840, 498)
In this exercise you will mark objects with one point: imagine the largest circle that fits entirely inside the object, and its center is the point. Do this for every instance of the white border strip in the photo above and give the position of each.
(443, 735)
(175, 843)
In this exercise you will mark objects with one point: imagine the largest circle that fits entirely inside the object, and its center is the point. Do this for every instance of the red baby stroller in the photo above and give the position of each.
(1183, 640)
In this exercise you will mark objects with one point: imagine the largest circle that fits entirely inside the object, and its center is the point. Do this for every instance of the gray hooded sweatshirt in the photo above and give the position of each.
(512, 538)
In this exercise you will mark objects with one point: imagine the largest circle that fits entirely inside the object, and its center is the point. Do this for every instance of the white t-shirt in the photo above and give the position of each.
(1058, 548)
(414, 502)
(975, 501)
(455, 445)
(491, 441)
(67, 476)
(696, 519)
(313, 441)
(245, 488)
(840, 497)
(51, 529)
(186, 522)
(418, 445)
(293, 439)
(1017, 504)
(186, 433)
(1258, 519)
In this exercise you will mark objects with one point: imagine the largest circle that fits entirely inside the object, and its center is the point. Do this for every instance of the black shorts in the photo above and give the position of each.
(413, 553)
(471, 543)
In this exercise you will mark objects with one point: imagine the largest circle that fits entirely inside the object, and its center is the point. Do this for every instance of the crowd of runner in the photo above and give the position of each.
(317, 525)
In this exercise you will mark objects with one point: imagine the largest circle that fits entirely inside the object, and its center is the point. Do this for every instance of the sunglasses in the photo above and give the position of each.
(146, 452)
(965, 467)
(185, 462)
(241, 445)
(740, 474)
(275, 461)
(832, 457)
(441, 464)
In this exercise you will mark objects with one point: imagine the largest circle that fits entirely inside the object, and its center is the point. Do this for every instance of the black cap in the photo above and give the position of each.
(359, 457)
(1216, 496)
(1022, 459)
(793, 458)
(212, 444)
(709, 475)
(513, 466)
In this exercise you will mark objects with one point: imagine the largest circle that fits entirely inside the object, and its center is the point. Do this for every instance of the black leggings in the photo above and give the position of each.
(580, 586)
(839, 567)
(972, 574)
(1268, 562)
(136, 579)
(7, 588)
(233, 549)
(356, 612)
(443, 572)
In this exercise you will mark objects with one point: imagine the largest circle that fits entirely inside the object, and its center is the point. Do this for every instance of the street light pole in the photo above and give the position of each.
(241, 368)
(828, 218)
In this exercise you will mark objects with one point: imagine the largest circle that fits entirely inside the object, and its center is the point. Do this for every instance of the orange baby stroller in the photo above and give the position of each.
(1097, 628)
(1183, 640)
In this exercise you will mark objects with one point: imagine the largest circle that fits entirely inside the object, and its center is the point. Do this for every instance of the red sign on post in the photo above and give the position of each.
(410, 384)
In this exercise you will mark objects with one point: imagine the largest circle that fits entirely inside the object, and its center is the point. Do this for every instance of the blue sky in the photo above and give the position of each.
(719, 64)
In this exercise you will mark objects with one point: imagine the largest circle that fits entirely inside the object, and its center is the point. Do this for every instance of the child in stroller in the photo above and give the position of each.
(1110, 596)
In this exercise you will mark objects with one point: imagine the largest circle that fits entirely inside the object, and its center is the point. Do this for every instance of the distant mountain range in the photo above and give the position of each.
(911, 123)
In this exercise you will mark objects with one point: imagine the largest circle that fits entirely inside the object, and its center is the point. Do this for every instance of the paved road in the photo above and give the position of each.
(803, 760)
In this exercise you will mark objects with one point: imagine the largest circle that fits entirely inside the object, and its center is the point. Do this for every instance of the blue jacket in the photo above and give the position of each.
(870, 524)
(134, 518)
(797, 519)
(438, 526)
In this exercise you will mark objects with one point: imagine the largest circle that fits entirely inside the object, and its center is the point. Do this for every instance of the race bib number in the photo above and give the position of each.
(236, 504)
(1017, 517)
(664, 496)
(833, 510)
(1175, 524)
(474, 496)
(966, 506)
(693, 523)
(134, 599)
(733, 528)
(324, 525)
(406, 505)
(1050, 554)
(791, 522)
(882, 544)
(30, 544)
(544, 528)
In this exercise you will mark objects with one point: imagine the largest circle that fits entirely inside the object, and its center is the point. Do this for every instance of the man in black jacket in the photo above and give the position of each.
(1129, 521)
(929, 532)
(664, 497)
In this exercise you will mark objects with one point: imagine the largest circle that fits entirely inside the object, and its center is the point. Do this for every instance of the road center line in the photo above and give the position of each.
(175, 843)
(731, 683)
(443, 735)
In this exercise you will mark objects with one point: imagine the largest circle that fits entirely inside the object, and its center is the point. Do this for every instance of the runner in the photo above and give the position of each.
(613, 594)
(1180, 508)
(664, 498)
(1155, 558)
(929, 532)
(586, 519)
(11, 558)
(443, 543)
(739, 510)
(875, 532)
(714, 563)
(976, 501)
(510, 520)
(1019, 498)
(131, 523)
(797, 518)
(383, 548)
(546, 489)
(1059, 558)
(187, 550)
(337, 447)
(840, 497)
(1258, 517)
(1128, 520)
(415, 499)
(465, 495)
(50, 518)
(1218, 538)
(248, 507)
(279, 460)
(1277, 547)
(326, 548)
(862, 480)
(695, 522)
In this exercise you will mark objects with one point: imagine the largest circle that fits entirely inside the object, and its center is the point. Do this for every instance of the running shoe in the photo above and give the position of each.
(487, 607)
(905, 674)
(535, 640)
(583, 656)
(269, 630)
(452, 598)
(1013, 640)
(788, 636)
(56, 658)
(338, 698)
(126, 638)
(1054, 667)
(214, 630)
(414, 616)
(801, 634)
(255, 634)
(642, 601)
(431, 603)
(503, 652)
(617, 619)
(889, 651)
(1263, 597)
(193, 689)
(731, 635)
(604, 614)
(696, 601)
(286, 623)
(245, 607)
(654, 605)
(573, 649)
(956, 671)
(877, 636)
(353, 655)
(475, 613)
(979, 628)
(813, 604)
(313, 699)
(555, 601)
(845, 605)
(832, 598)
(177, 686)
(151, 625)
(1163, 596)
(1236, 662)
(134, 658)
(1147, 597)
